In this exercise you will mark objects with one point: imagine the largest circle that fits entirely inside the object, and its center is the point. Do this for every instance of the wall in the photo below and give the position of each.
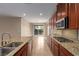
(11, 25)
(26, 32)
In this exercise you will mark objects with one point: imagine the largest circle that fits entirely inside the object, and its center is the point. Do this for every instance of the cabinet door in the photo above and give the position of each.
(72, 16)
(64, 52)
(23, 51)
(55, 50)
(77, 9)
(19, 53)
(52, 46)
(54, 20)
(29, 48)
(49, 42)
(64, 7)
(58, 11)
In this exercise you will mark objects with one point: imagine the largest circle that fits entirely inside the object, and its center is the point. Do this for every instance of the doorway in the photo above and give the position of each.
(38, 30)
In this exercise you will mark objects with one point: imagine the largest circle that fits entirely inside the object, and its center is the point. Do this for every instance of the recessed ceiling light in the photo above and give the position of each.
(41, 14)
(24, 14)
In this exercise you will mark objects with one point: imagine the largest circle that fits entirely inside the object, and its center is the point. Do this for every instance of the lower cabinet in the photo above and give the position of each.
(30, 48)
(23, 51)
(58, 50)
(55, 48)
(49, 42)
(64, 52)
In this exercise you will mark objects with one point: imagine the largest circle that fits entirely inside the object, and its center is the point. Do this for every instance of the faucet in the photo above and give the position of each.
(2, 43)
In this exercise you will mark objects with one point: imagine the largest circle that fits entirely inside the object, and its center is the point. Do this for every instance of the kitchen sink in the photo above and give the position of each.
(62, 39)
(14, 44)
(8, 48)
(5, 50)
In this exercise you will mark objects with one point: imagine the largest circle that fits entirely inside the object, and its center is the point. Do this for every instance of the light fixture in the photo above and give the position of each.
(41, 14)
(24, 14)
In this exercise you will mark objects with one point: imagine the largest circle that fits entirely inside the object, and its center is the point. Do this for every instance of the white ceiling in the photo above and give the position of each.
(32, 10)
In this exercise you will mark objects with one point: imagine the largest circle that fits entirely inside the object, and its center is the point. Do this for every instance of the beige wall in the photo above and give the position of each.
(11, 25)
(25, 28)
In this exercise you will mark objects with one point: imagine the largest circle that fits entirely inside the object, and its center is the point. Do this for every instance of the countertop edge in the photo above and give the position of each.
(63, 45)
(18, 48)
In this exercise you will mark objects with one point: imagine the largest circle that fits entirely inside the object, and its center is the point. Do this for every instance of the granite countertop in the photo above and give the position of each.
(17, 48)
(72, 47)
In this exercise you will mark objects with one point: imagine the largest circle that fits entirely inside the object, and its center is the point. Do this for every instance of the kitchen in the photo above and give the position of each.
(64, 24)
(22, 36)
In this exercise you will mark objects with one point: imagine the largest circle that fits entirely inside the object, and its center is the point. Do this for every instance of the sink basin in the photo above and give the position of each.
(5, 50)
(8, 48)
(62, 39)
(14, 44)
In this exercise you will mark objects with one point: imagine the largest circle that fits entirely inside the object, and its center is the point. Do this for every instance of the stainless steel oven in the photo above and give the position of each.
(62, 23)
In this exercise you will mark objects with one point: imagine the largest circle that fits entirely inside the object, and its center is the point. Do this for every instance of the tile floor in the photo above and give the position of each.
(40, 48)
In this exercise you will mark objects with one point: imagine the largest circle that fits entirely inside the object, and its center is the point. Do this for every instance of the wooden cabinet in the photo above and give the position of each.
(23, 51)
(58, 11)
(30, 48)
(64, 52)
(62, 10)
(52, 46)
(49, 42)
(55, 48)
(53, 21)
(58, 50)
(72, 16)
(70, 10)
(77, 14)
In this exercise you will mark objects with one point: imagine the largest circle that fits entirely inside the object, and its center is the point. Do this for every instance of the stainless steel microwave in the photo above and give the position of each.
(62, 23)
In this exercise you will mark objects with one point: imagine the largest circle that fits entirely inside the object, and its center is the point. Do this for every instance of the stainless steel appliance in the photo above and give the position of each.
(62, 23)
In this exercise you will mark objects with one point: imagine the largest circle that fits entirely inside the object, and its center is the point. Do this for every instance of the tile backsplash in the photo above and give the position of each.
(69, 33)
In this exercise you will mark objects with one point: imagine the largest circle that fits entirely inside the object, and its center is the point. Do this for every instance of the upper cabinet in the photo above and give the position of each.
(72, 14)
(61, 10)
(71, 10)
(77, 9)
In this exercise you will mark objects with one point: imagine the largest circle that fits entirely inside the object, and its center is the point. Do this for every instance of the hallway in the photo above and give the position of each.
(40, 47)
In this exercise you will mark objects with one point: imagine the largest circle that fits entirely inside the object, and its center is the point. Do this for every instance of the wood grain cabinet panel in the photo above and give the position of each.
(52, 47)
(30, 48)
(64, 52)
(55, 48)
(71, 10)
(58, 50)
(77, 9)
(23, 51)
(72, 16)
(64, 9)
